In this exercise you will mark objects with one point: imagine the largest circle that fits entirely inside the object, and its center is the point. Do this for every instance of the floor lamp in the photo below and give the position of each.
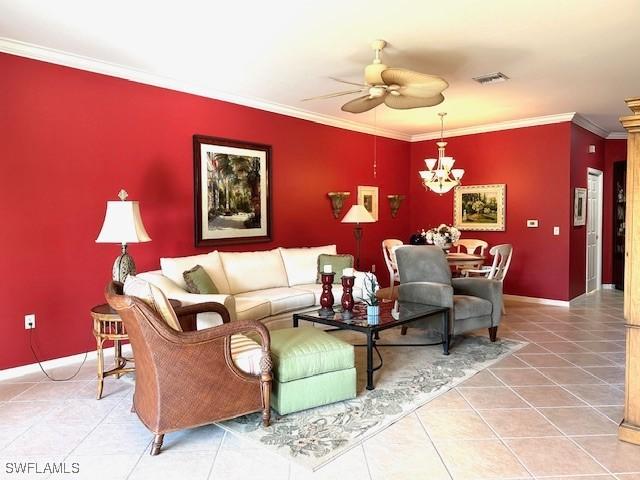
(357, 214)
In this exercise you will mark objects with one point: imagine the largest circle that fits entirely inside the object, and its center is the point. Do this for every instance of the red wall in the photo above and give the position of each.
(581, 160)
(534, 163)
(71, 139)
(614, 151)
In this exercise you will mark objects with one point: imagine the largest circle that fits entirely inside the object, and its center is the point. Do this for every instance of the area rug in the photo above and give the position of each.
(409, 378)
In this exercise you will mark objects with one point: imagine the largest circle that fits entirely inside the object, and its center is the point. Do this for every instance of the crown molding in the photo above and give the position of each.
(589, 125)
(49, 55)
(617, 136)
(495, 127)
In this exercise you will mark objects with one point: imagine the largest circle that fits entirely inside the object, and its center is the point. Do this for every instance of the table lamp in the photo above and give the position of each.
(123, 224)
(357, 214)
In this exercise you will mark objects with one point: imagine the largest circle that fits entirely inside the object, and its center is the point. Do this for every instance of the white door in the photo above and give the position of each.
(594, 228)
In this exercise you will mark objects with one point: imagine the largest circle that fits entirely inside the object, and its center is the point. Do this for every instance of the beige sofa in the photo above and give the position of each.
(265, 285)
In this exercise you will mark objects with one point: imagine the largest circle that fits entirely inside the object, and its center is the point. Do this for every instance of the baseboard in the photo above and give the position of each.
(608, 286)
(543, 301)
(15, 372)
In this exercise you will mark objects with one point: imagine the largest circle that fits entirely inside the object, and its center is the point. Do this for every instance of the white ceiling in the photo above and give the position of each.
(562, 56)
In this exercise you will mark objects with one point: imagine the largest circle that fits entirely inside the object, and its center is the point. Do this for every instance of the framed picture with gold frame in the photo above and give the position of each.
(368, 198)
(480, 207)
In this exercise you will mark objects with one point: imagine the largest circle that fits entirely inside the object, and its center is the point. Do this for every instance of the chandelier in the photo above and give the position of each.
(440, 176)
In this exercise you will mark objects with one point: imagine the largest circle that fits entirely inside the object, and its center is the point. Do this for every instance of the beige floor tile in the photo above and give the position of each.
(451, 400)
(510, 362)
(614, 413)
(598, 394)
(548, 396)
(99, 467)
(202, 439)
(521, 377)
(46, 439)
(351, 465)
(579, 336)
(618, 357)
(582, 477)
(579, 420)
(483, 378)
(522, 422)
(50, 391)
(545, 360)
(480, 459)
(16, 414)
(539, 337)
(520, 327)
(466, 425)
(608, 347)
(570, 376)
(562, 347)
(74, 411)
(587, 359)
(9, 434)
(254, 462)
(173, 465)
(553, 456)
(532, 348)
(115, 439)
(492, 397)
(629, 476)
(408, 429)
(608, 374)
(11, 390)
(617, 456)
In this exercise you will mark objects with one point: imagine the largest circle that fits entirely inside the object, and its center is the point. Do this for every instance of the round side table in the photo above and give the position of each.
(107, 325)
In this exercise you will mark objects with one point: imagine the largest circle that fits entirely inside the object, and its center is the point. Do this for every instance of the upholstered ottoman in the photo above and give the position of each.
(311, 368)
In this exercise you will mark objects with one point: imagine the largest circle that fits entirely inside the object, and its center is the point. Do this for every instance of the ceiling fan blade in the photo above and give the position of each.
(403, 102)
(414, 84)
(331, 95)
(348, 82)
(363, 104)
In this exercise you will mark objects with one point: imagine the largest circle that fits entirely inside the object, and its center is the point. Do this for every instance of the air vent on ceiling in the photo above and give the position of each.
(491, 78)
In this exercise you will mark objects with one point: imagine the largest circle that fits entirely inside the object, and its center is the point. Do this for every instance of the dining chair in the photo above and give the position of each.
(388, 251)
(498, 270)
(472, 246)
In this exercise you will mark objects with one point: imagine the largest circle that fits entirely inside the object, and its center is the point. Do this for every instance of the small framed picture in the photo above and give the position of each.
(480, 207)
(368, 198)
(580, 207)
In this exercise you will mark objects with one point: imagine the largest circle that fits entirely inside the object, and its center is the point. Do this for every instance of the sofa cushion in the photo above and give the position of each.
(154, 298)
(252, 308)
(198, 281)
(282, 299)
(249, 271)
(246, 354)
(173, 268)
(338, 264)
(465, 306)
(335, 289)
(305, 352)
(301, 264)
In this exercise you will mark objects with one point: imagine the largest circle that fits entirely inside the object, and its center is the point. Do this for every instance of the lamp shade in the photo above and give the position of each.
(123, 224)
(357, 214)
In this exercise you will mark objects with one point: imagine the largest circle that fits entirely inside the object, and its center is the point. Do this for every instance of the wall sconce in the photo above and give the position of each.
(337, 201)
(394, 203)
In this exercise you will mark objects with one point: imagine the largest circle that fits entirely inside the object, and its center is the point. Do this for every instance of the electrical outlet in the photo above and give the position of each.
(373, 268)
(556, 230)
(30, 321)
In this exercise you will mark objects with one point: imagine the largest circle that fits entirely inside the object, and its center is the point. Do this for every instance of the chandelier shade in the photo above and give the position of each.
(440, 176)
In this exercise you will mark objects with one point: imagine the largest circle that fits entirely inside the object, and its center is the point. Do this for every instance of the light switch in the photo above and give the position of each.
(532, 223)
(556, 230)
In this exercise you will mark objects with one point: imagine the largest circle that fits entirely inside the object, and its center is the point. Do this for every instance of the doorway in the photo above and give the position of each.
(594, 229)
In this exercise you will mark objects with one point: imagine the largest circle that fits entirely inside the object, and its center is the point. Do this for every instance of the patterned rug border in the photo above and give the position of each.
(515, 345)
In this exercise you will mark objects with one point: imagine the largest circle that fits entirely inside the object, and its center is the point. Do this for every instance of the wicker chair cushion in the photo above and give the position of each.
(153, 297)
(246, 354)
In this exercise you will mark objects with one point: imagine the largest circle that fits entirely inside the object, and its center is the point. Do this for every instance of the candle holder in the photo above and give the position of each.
(326, 299)
(347, 296)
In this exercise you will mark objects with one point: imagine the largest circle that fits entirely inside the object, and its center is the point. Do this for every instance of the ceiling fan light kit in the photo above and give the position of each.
(440, 176)
(397, 88)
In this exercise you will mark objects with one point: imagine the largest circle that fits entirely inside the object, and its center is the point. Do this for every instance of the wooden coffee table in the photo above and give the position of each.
(392, 314)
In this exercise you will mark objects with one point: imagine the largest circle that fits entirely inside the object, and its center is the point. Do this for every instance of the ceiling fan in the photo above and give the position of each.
(395, 87)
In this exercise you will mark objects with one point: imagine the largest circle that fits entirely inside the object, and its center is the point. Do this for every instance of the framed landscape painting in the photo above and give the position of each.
(231, 191)
(480, 207)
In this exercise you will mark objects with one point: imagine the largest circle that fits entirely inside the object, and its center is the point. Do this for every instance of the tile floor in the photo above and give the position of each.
(548, 411)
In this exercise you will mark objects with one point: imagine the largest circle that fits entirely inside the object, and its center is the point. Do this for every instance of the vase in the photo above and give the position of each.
(373, 310)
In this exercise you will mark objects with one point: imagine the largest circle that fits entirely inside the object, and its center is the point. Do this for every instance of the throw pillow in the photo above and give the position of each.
(199, 281)
(154, 298)
(337, 262)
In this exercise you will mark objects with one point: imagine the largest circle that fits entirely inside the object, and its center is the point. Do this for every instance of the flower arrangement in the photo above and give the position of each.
(442, 236)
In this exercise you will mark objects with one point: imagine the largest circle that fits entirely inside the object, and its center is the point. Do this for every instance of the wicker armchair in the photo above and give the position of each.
(188, 379)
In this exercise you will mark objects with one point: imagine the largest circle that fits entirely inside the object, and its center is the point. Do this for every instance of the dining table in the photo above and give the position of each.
(460, 259)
